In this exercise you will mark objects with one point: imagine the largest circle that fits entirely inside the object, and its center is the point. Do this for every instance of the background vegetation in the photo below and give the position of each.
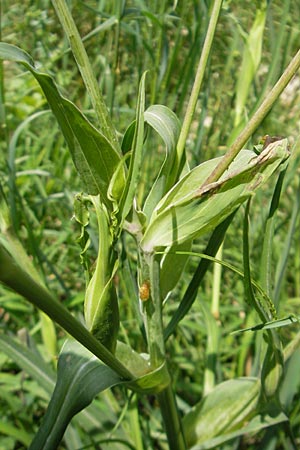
(123, 39)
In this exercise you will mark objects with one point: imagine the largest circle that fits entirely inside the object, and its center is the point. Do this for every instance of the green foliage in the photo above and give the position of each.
(129, 278)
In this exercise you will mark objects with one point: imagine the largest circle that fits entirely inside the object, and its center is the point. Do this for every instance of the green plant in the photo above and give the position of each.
(162, 225)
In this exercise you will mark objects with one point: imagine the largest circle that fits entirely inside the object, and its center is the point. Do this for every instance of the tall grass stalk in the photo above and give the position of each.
(189, 114)
(86, 70)
(255, 120)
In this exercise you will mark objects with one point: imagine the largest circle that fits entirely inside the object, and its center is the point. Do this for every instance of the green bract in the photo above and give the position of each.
(188, 210)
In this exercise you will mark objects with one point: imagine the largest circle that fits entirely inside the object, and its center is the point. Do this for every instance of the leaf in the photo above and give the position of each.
(136, 157)
(250, 62)
(172, 266)
(101, 309)
(19, 435)
(94, 156)
(15, 277)
(190, 294)
(187, 212)
(258, 423)
(147, 381)
(167, 125)
(30, 361)
(227, 406)
(272, 324)
(80, 377)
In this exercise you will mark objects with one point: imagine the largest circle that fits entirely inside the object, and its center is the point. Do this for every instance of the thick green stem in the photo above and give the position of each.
(153, 309)
(13, 276)
(255, 121)
(86, 71)
(199, 78)
(171, 419)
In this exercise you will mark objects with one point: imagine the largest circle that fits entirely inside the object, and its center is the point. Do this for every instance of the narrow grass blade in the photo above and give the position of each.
(136, 157)
(190, 294)
(285, 321)
(266, 258)
(286, 247)
(19, 435)
(86, 70)
(30, 362)
(272, 365)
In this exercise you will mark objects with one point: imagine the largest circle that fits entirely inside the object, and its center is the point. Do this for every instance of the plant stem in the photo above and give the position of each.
(86, 71)
(3, 124)
(255, 121)
(153, 309)
(171, 419)
(199, 78)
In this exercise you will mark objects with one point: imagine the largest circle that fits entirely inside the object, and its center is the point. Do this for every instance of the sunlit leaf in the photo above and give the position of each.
(136, 157)
(285, 321)
(186, 211)
(224, 408)
(94, 156)
(167, 125)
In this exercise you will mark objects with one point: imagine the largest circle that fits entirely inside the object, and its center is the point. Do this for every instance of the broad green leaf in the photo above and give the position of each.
(172, 266)
(136, 363)
(80, 377)
(94, 156)
(187, 211)
(167, 125)
(225, 408)
(152, 382)
(258, 423)
(290, 384)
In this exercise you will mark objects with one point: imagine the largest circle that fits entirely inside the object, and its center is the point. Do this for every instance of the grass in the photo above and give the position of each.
(40, 182)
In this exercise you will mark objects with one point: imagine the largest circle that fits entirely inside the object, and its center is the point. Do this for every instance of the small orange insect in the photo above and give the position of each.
(144, 291)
